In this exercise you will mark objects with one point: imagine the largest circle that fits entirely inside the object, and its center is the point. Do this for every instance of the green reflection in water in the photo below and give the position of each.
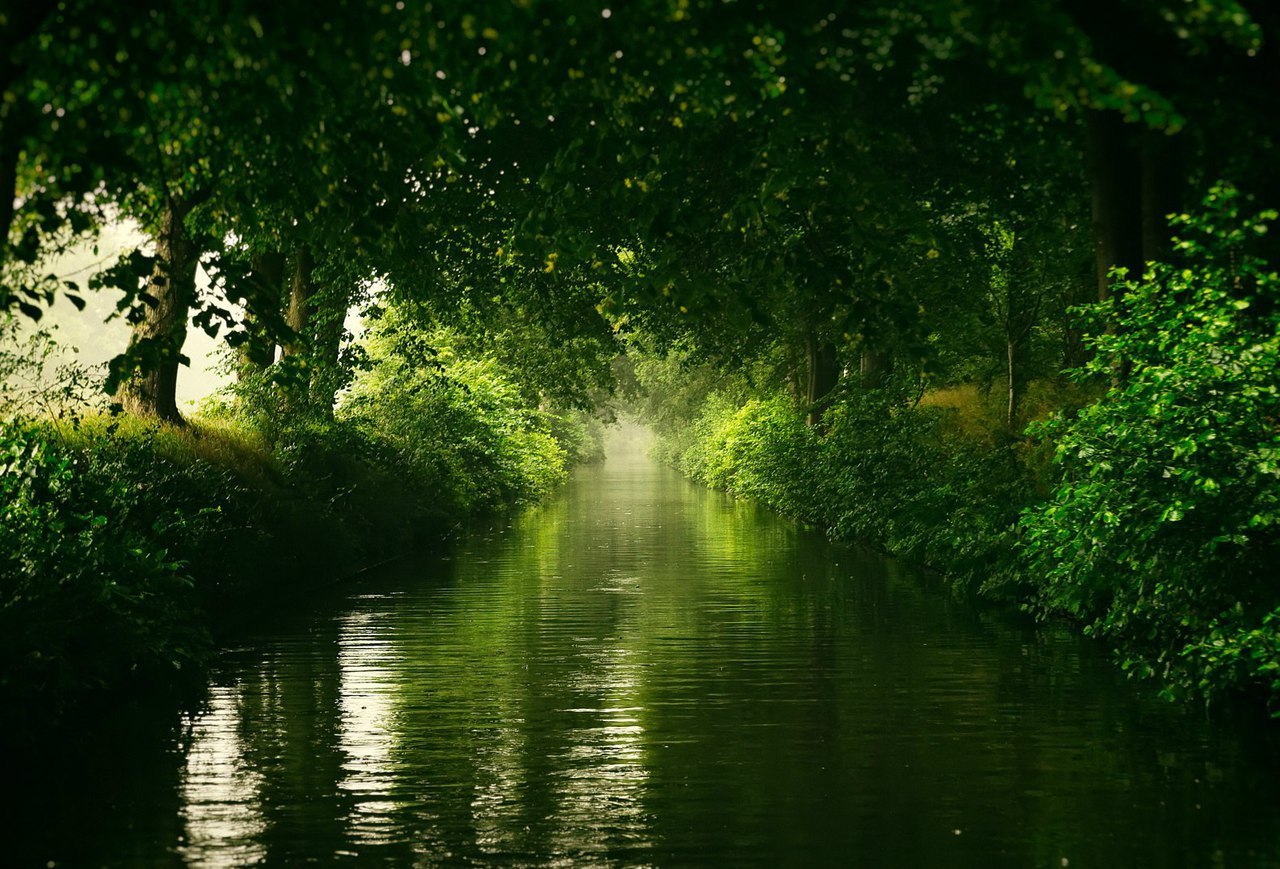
(644, 672)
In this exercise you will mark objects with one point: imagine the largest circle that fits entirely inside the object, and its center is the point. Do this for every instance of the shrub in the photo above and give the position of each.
(460, 432)
(1162, 535)
(93, 595)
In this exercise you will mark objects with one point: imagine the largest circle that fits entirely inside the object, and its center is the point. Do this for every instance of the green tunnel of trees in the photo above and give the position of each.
(839, 255)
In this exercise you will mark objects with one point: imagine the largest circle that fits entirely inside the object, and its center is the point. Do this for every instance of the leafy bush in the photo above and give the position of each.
(911, 480)
(580, 434)
(460, 431)
(1162, 535)
(92, 595)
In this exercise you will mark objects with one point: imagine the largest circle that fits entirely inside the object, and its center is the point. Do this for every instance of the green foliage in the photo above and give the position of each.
(669, 392)
(458, 426)
(909, 479)
(34, 382)
(755, 449)
(93, 594)
(900, 477)
(1162, 535)
(120, 533)
(580, 434)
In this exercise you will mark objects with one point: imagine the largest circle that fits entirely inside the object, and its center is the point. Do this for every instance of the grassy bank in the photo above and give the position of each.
(126, 544)
(915, 481)
(1174, 572)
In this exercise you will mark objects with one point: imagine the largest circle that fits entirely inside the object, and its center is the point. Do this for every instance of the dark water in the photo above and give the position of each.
(646, 673)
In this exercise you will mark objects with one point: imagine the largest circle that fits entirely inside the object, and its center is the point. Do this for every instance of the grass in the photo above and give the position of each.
(226, 444)
(979, 412)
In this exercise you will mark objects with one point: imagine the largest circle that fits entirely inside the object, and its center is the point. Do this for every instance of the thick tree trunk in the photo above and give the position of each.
(158, 337)
(824, 371)
(823, 375)
(1161, 190)
(298, 315)
(265, 292)
(874, 368)
(1116, 193)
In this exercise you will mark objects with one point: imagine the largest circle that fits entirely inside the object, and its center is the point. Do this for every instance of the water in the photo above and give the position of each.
(643, 672)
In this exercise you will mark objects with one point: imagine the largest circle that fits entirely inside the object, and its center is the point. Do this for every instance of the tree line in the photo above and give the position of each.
(840, 175)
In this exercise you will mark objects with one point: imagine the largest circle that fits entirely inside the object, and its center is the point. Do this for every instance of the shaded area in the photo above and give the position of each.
(647, 672)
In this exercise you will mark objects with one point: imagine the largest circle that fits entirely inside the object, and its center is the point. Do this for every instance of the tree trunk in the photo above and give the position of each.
(158, 337)
(10, 146)
(1011, 351)
(1078, 291)
(874, 368)
(317, 334)
(301, 292)
(1116, 193)
(265, 289)
(796, 372)
(1161, 190)
(327, 327)
(19, 22)
(823, 375)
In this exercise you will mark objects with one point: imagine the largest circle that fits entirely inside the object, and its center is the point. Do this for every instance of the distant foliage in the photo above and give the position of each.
(884, 473)
(669, 392)
(1162, 535)
(460, 427)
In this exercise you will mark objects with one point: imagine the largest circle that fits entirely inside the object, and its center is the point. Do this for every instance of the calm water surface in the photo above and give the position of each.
(646, 673)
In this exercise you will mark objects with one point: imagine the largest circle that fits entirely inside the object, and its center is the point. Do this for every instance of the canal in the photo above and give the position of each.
(644, 672)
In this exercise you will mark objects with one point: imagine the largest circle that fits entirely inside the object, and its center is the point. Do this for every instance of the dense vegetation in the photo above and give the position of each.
(1145, 512)
(849, 249)
(126, 541)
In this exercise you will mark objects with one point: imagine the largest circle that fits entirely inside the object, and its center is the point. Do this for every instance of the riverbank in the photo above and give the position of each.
(1170, 573)
(128, 546)
(929, 483)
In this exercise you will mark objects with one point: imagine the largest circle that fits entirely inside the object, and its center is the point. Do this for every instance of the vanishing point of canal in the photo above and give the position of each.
(644, 672)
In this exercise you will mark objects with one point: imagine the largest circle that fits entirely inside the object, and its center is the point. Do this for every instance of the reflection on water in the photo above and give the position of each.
(221, 810)
(643, 672)
(366, 736)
